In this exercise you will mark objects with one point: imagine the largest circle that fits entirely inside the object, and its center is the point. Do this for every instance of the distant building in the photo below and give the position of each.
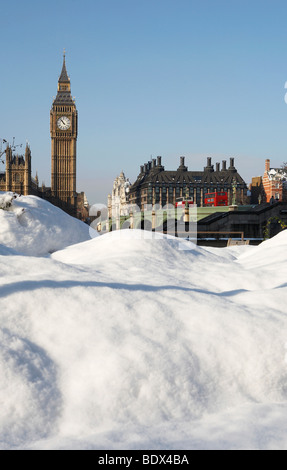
(82, 207)
(64, 130)
(118, 201)
(155, 185)
(257, 190)
(17, 176)
(274, 183)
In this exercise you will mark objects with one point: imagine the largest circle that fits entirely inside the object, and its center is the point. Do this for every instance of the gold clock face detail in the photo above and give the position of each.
(64, 123)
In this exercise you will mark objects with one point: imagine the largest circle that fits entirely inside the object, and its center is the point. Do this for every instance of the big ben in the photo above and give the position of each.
(64, 131)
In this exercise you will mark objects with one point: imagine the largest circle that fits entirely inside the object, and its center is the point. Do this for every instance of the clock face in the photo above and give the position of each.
(64, 123)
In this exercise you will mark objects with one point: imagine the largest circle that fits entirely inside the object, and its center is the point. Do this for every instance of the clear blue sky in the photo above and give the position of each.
(151, 77)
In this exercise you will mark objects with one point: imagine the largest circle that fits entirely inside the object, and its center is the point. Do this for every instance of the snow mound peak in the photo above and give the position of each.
(33, 226)
(270, 254)
(142, 247)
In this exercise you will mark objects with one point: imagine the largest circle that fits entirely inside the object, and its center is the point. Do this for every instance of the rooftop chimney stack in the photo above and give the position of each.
(182, 166)
(267, 165)
(209, 166)
(217, 166)
(223, 165)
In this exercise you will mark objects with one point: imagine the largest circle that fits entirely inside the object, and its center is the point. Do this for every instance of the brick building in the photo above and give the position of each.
(274, 183)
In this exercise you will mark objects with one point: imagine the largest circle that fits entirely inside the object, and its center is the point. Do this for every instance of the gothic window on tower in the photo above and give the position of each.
(16, 178)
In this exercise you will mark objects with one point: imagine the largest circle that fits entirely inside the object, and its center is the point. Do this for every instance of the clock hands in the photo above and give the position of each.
(64, 123)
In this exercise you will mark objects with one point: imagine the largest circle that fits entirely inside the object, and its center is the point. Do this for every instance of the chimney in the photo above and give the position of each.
(145, 168)
(209, 166)
(154, 162)
(232, 168)
(141, 169)
(158, 161)
(267, 165)
(223, 165)
(182, 166)
(217, 166)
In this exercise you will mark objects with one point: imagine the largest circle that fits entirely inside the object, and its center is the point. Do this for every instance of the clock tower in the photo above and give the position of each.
(64, 131)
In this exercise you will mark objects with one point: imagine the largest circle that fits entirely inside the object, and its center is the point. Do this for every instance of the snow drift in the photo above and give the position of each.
(127, 342)
(33, 226)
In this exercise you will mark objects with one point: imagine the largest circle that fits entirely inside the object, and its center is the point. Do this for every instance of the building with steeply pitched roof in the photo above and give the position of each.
(155, 185)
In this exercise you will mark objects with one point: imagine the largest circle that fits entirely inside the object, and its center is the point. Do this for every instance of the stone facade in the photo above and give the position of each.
(118, 201)
(155, 185)
(17, 176)
(82, 207)
(64, 132)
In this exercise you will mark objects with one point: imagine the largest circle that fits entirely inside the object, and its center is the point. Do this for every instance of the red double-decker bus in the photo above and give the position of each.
(216, 199)
(181, 202)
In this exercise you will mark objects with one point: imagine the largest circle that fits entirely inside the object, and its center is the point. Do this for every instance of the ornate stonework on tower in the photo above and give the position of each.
(17, 177)
(64, 131)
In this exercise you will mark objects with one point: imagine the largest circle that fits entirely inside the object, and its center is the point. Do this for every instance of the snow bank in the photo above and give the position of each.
(270, 254)
(32, 226)
(122, 342)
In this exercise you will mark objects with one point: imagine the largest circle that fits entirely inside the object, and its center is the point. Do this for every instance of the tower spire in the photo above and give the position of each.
(64, 85)
(64, 75)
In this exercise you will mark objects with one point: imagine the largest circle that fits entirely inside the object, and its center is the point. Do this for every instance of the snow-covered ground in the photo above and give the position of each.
(129, 342)
(33, 226)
